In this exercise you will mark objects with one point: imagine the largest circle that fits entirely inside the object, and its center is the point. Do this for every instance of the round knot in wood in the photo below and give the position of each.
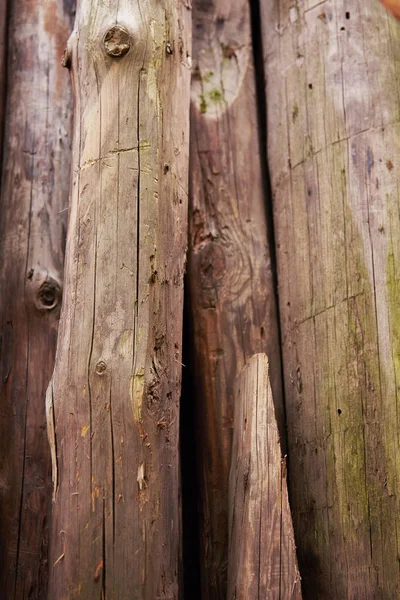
(117, 41)
(101, 367)
(44, 290)
(48, 295)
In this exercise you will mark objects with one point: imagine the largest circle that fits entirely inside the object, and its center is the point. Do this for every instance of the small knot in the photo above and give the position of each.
(47, 295)
(101, 367)
(45, 289)
(117, 42)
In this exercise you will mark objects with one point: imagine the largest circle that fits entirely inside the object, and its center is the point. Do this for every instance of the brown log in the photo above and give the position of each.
(113, 404)
(3, 70)
(33, 214)
(262, 553)
(333, 85)
(229, 269)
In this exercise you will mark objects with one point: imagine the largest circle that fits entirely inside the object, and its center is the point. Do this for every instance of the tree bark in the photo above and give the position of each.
(113, 404)
(229, 275)
(262, 554)
(333, 85)
(34, 200)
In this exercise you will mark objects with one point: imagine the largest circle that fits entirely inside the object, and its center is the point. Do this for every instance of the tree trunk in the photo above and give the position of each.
(333, 84)
(34, 199)
(262, 554)
(113, 404)
(230, 282)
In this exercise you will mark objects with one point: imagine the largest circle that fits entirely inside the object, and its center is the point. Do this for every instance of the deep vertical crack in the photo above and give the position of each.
(260, 82)
(188, 464)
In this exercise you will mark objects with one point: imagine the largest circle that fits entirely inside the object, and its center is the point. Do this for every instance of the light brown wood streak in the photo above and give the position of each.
(262, 554)
(333, 89)
(33, 209)
(229, 269)
(116, 384)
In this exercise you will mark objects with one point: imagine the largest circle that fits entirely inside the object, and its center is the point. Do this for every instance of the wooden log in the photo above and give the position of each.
(113, 404)
(333, 84)
(3, 70)
(33, 216)
(262, 553)
(232, 299)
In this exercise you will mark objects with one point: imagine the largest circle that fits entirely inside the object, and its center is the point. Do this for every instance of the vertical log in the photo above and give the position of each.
(333, 85)
(262, 554)
(229, 271)
(114, 399)
(3, 70)
(34, 197)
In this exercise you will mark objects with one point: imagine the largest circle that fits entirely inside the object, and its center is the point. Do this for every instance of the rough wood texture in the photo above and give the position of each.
(262, 554)
(229, 274)
(3, 54)
(35, 183)
(333, 86)
(114, 399)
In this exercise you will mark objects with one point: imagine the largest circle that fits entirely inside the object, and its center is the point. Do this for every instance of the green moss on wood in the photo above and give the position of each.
(216, 95)
(203, 104)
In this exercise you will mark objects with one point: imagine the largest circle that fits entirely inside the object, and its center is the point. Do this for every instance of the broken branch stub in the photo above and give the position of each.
(262, 554)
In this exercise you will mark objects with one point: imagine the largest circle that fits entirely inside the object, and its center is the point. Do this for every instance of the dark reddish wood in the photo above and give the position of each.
(35, 182)
(3, 69)
(229, 274)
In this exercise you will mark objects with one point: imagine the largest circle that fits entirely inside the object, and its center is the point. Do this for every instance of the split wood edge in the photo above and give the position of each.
(262, 554)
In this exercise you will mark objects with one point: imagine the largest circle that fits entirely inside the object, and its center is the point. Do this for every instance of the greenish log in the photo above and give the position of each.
(333, 88)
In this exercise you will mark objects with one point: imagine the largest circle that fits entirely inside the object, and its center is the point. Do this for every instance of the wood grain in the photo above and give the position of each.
(3, 69)
(262, 554)
(333, 85)
(232, 299)
(33, 215)
(114, 398)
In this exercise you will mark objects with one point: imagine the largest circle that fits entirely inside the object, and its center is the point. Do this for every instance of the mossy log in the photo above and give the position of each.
(333, 88)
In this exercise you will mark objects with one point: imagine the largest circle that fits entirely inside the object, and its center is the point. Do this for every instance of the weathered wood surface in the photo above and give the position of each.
(35, 183)
(3, 70)
(33, 215)
(229, 272)
(262, 554)
(114, 399)
(333, 86)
